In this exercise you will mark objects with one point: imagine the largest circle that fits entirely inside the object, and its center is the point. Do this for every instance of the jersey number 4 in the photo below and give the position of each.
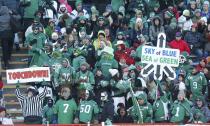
(85, 108)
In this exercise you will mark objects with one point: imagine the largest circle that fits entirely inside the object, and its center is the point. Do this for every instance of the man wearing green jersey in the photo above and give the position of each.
(196, 81)
(66, 73)
(161, 106)
(65, 107)
(88, 109)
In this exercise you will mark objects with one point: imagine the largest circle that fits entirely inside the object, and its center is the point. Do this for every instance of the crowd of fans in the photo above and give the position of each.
(94, 54)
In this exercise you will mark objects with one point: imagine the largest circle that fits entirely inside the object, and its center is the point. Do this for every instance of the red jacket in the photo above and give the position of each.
(1, 84)
(201, 68)
(124, 54)
(181, 45)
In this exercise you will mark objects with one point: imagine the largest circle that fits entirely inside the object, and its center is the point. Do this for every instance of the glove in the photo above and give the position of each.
(18, 84)
(108, 122)
(95, 122)
(76, 120)
(34, 41)
(37, 50)
(44, 83)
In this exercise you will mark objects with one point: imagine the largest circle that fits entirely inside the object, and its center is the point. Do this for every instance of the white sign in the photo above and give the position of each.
(159, 59)
(160, 56)
(32, 74)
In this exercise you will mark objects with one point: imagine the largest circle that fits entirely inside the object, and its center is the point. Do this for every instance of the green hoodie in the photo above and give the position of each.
(141, 113)
(37, 42)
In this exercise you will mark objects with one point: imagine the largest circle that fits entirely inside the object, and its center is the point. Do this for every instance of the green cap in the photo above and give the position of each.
(101, 18)
(120, 33)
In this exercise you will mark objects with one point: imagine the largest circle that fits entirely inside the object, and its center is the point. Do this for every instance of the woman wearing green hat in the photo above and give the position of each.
(75, 13)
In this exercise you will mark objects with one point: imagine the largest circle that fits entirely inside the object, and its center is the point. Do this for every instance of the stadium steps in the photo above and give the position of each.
(18, 60)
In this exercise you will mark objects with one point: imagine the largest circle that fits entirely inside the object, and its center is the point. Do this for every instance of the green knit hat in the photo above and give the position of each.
(120, 33)
(82, 18)
(78, 2)
(143, 96)
(84, 63)
(56, 54)
(157, 5)
(132, 67)
(37, 19)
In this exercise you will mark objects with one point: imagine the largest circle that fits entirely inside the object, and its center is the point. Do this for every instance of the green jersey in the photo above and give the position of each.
(66, 75)
(55, 64)
(105, 65)
(196, 83)
(65, 110)
(86, 77)
(160, 108)
(143, 114)
(180, 110)
(87, 110)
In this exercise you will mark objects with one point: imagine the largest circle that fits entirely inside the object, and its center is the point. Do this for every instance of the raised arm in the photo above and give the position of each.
(43, 94)
(20, 97)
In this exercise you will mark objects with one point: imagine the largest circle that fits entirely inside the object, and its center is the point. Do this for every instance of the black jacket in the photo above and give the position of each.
(123, 119)
(107, 111)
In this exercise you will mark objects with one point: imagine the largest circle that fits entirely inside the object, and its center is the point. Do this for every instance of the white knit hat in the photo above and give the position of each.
(186, 13)
(119, 42)
(113, 72)
(138, 20)
(206, 2)
(54, 35)
(204, 19)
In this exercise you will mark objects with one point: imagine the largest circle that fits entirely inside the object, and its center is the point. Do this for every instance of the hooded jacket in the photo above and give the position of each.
(60, 13)
(203, 112)
(141, 113)
(68, 7)
(155, 30)
(97, 43)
